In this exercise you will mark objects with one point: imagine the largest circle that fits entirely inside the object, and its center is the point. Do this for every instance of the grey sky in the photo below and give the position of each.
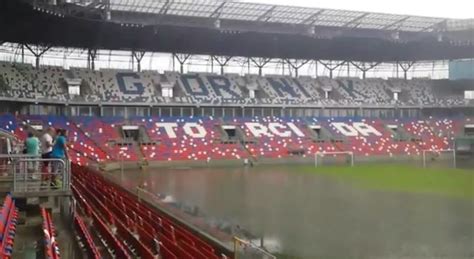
(437, 8)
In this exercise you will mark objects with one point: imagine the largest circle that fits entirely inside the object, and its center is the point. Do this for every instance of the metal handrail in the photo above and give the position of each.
(24, 181)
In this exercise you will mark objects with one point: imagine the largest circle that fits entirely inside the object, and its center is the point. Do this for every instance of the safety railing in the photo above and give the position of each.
(248, 250)
(35, 176)
(6, 163)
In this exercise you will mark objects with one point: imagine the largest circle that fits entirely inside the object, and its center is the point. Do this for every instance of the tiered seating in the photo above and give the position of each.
(429, 141)
(8, 221)
(51, 248)
(18, 85)
(283, 87)
(8, 122)
(369, 145)
(359, 145)
(185, 147)
(272, 146)
(50, 82)
(24, 81)
(114, 246)
(208, 88)
(86, 238)
(203, 139)
(119, 86)
(141, 231)
(369, 91)
(419, 91)
(103, 132)
(83, 149)
(312, 87)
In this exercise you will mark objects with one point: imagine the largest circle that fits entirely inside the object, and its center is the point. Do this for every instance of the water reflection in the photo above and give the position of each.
(314, 216)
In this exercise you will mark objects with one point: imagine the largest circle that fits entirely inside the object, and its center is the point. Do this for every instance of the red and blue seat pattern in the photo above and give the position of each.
(8, 221)
(94, 139)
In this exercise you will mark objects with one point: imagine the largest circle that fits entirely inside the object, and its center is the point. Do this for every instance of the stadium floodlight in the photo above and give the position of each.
(318, 156)
(432, 154)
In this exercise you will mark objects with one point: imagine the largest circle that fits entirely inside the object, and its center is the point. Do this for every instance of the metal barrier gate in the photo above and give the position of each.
(37, 177)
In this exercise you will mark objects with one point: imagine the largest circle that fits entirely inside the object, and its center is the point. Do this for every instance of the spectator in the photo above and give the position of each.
(32, 145)
(60, 152)
(46, 149)
(32, 149)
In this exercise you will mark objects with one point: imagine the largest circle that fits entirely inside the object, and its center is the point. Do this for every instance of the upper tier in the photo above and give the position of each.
(118, 86)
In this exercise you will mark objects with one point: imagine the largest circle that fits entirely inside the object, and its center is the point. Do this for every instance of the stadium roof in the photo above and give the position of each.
(229, 28)
(234, 10)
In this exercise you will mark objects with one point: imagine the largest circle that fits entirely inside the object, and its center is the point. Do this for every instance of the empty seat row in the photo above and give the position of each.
(156, 233)
(86, 238)
(51, 248)
(8, 221)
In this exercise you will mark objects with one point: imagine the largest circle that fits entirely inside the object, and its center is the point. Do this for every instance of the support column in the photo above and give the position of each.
(364, 67)
(248, 65)
(222, 61)
(138, 55)
(398, 66)
(91, 55)
(22, 53)
(40, 50)
(316, 69)
(331, 67)
(260, 63)
(182, 58)
(296, 64)
(405, 67)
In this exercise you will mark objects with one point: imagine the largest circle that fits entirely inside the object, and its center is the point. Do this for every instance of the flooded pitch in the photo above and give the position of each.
(317, 216)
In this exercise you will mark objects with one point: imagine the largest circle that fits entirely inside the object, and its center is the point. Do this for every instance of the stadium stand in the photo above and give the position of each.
(119, 86)
(149, 118)
(179, 145)
(8, 221)
(86, 238)
(51, 248)
(83, 148)
(49, 83)
(156, 232)
(94, 139)
(17, 86)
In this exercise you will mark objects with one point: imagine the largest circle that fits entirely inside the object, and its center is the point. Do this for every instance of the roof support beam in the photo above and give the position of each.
(313, 18)
(165, 7)
(296, 64)
(40, 50)
(260, 63)
(331, 67)
(439, 26)
(138, 55)
(95, 4)
(405, 67)
(217, 13)
(357, 19)
(396, 22)
(362, 67)
(267, 15)
(182, 58)
(222, 61)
